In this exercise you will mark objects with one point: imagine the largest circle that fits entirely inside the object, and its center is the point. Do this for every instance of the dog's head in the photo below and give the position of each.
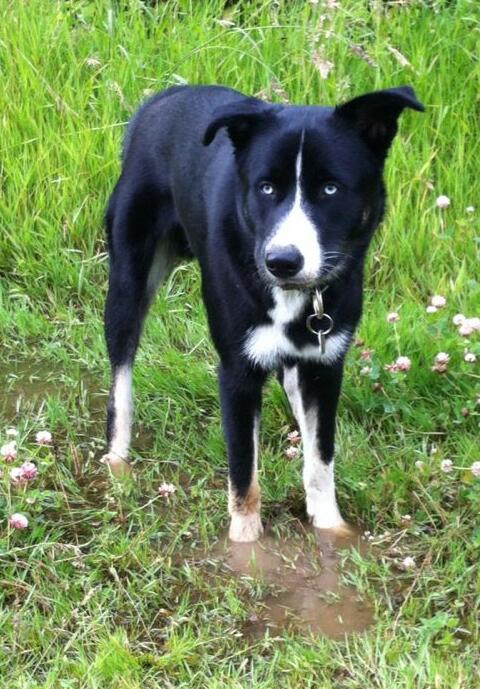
(311, 179)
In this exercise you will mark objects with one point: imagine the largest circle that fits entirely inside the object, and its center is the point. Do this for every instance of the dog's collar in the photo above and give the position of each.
(314, 320)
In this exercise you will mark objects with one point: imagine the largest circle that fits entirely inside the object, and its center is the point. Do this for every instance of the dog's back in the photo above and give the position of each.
(164, 152)
(172, 124)
(277, 203)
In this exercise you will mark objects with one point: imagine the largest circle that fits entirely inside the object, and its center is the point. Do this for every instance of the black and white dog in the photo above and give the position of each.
(275, 201)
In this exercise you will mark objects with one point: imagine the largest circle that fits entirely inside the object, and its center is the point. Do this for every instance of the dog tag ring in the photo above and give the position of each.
(319, 315)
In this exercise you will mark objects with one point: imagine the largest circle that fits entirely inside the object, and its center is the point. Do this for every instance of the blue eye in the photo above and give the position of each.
(266, 188)
(330, 189)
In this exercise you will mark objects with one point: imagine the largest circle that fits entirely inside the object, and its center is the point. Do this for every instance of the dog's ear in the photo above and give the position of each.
(374, 115)
(240, 118)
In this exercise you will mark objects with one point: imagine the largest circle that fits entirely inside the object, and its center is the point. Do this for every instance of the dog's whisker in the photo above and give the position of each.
(337, 254)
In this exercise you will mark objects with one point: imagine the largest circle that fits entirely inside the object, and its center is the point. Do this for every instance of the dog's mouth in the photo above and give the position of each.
(326, 277)
(333, 269)
(299, 286)
(290, 285)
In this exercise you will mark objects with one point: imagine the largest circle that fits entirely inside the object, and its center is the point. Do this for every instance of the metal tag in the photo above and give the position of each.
(322, 341)
(319, 315)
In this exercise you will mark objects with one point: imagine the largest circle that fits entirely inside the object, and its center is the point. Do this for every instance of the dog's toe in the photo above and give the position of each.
(118, 466)
(245, 528)
(341, 530)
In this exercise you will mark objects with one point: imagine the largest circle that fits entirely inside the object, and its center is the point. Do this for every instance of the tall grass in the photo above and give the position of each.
(106, 588)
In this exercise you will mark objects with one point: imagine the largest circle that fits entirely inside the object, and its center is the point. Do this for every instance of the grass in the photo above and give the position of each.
(112, 586)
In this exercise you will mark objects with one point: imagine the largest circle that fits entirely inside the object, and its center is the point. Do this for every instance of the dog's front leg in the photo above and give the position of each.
(313, 391)
(241, 397)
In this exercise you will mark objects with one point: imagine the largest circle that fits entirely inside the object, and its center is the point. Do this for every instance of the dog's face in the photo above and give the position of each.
(308, 192)
(312, 190)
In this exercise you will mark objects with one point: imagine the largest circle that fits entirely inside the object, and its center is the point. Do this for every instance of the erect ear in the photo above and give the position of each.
(374, 115)
(240, 118)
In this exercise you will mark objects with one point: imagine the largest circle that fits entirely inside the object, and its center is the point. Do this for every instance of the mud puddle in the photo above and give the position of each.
(302, 572)
(305, 573)
(26, 386)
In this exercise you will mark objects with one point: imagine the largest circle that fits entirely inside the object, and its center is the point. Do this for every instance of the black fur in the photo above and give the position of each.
(193, 160)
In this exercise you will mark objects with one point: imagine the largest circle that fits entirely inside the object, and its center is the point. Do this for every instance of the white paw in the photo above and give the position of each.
(341, 530)
(118, 465)
(322, 521)
(324, 513)
(245, 528)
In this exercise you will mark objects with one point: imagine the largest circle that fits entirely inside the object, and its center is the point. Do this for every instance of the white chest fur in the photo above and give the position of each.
(268, 345)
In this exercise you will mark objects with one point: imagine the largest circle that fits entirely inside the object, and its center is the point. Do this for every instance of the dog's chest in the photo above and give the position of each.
(269, 345)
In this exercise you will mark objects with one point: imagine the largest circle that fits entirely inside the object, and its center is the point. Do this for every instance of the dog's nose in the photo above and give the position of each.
(284, 261)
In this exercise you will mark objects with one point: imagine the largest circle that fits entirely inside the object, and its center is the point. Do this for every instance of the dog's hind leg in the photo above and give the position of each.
(313, 391)
(241, 395)
(142, 254)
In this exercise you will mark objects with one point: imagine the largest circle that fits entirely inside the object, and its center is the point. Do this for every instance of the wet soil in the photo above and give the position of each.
(305, 573)
(302, 572)
(28, 384)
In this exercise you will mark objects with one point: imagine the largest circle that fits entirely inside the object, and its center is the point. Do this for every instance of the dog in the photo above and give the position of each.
(278, 203)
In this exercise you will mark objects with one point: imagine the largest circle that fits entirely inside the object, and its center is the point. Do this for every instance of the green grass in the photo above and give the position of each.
(107, 588)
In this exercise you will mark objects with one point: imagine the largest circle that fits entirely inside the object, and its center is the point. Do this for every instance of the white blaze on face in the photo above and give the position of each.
(296, 229)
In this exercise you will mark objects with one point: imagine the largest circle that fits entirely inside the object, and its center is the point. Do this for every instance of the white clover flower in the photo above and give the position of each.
(9, 451)
(442, 358)
(17, 477)
(403, 363)
(438, 301)
(294, 437)
(292, 452)
(409, 563)
(442, 202)
(458, 319)
(446, 466)
(393, 317)
(43, 437)
(29, 470)
(93, 62)
(475, 469)
(474, 323)
(465, 329)
(18, 521)
(166, 490)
